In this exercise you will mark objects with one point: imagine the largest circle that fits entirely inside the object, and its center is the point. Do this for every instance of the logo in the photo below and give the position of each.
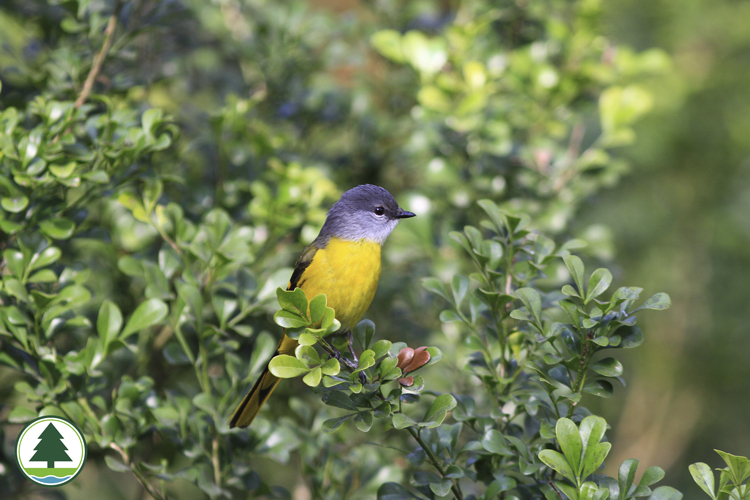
(51, 451)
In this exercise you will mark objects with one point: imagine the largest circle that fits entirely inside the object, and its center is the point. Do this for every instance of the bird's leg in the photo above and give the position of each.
(350, 345)
(335, 353)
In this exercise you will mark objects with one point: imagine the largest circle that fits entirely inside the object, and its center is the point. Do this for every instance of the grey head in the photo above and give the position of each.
(366, 212)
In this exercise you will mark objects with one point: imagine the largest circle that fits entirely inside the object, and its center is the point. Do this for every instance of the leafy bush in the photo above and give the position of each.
(162, 163)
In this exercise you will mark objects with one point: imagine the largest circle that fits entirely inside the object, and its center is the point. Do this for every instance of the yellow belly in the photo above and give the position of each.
(348, 273)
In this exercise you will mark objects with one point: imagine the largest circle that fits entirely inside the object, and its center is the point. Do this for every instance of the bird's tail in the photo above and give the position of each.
(261, 391)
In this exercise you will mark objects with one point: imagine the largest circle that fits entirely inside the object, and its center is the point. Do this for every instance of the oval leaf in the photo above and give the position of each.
(108, 322)
(58, 228)
(147, 314)
(284, 366)
(609, 367)
(442, 403)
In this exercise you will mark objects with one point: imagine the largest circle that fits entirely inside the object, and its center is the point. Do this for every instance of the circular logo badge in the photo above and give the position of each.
(51, 451)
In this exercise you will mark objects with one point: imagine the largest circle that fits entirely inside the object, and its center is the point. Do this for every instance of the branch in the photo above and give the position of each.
(555, 488)
(434, 461)
(215, 459)
(138, 474)
(99, 58)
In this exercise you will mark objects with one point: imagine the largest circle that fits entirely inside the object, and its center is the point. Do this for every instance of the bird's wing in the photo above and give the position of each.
(303, 263)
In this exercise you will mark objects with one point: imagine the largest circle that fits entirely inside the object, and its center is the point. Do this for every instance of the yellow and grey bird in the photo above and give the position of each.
(343, 262)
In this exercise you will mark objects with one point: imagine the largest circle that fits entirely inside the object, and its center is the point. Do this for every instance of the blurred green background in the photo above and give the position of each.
(678, 221)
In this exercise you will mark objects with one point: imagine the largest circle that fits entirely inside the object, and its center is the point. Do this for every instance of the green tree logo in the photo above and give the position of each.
(51, 451)
(51, 448)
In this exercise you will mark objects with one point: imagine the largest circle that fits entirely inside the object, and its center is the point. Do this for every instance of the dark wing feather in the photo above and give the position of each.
(303, 263)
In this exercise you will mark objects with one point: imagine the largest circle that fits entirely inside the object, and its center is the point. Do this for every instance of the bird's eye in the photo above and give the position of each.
(379, 210)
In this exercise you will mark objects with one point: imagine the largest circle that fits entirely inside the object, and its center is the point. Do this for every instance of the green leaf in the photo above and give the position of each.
(308, 355)
(533, 302)
(14, 204)
(63, 171)
(739, 467)
(460, 287)
(652, 475)
(498, 486)
(108, 322)
(285, 366)
(394, 491)
(416, 457)
(43, 276)
(494, 442)
(329, 322)
(307, 339)
(381, 348)
(703, 477)
(665, 493)
(21, 414)
(435, 286)
(16, 289)
(401, 421)
(57, 228)
(288, 319)
(608, 367)
(224, 305)
(363, 332)
(115, 464)
(339, 400)
(366, 360)
(592, 430)
(441, 488)
(557, 462)
(317, 308)
(493, 252)
(331, 367)
(570, 443)
(601, 388)
(598, 283)
(313, 377)
(364, 420)
(657, 301)
(192, 297)
(388, 44)
(14, 262)
(572, 310)
(441, 404)
(631, 336)
(435, 355)
(626, 474)
(293, 301)
(48, 256)
(147, 314)
(575, 266)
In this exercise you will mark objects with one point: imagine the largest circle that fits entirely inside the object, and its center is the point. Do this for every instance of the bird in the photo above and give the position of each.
(343, 262)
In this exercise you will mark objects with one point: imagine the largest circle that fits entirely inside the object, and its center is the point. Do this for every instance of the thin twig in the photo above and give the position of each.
(217, 470)
(133, 467)
(434, 461)
(556, 490)
(109, 32)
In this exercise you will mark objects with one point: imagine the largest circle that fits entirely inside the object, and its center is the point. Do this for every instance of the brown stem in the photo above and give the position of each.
(581, 370)
(556, 490)
(99, 58)
(215, 457)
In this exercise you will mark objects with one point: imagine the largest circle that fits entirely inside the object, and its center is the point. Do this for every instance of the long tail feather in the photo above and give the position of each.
(261, 391)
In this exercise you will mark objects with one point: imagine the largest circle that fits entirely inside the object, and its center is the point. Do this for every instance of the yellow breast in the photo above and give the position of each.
(348, 273)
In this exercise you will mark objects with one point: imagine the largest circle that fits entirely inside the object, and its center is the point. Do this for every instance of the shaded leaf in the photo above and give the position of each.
(145, 315)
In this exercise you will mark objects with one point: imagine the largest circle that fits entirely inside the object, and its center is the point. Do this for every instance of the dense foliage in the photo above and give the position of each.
(163, 163)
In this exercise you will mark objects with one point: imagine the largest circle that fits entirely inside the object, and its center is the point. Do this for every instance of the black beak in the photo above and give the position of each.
(403, 214)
